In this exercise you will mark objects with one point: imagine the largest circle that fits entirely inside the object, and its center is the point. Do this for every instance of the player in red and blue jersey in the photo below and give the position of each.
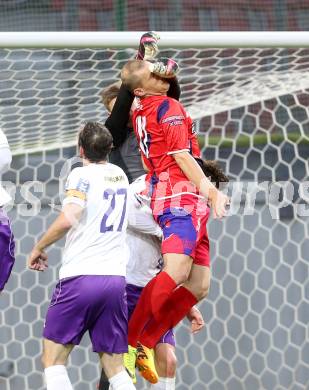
(180, 194)
(163, 130)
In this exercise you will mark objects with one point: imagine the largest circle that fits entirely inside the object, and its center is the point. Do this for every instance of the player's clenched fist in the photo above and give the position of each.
(165, 67)
(148, 46)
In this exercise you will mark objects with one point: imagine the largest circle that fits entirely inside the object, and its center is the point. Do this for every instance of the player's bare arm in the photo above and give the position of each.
(69, 216)
(118, 99)
(194, 173)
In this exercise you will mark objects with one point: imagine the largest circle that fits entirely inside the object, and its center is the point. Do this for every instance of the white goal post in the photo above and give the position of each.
(175, 39)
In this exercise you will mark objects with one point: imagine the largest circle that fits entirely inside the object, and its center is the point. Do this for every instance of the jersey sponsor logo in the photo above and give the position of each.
(114, 179)
(175, 123)
(174, 118)
(83, 186)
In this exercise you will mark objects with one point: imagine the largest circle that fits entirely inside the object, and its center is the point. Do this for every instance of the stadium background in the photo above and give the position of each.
(159, 15)
(257, 312)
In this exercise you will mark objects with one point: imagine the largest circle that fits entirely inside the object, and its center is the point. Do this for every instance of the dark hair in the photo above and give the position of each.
(213, 171)
(96, 141)
(109, 93)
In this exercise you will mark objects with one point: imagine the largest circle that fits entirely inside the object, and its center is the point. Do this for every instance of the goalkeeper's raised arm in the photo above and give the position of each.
(119, 117)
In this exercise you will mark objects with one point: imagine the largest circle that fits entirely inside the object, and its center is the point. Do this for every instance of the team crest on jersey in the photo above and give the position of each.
(83, 185)
(114, 179)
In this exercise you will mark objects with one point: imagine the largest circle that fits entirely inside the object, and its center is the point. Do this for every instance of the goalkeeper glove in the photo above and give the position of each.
(148, 46)
(165, 67)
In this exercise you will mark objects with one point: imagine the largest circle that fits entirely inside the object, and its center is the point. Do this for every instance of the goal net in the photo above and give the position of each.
(250, 106)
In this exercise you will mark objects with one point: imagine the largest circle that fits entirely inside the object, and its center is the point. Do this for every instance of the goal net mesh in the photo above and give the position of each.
(251, 112)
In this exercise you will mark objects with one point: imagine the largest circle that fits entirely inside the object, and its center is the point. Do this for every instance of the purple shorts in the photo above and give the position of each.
(133, 294)
(7, 246)
(91, 303)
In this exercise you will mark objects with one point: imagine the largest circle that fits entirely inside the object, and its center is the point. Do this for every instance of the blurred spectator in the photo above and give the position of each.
(160, 15)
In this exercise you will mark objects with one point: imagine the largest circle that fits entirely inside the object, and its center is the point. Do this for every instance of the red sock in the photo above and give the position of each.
(172, 312)
(161, 291)
(141, 314)
(154, 294)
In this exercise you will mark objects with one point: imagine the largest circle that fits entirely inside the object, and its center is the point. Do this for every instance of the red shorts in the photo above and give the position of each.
(186, 234)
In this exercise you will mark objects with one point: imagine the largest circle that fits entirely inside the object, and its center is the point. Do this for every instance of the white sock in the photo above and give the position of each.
(121, 381)
(57, 378)
(164, 384)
